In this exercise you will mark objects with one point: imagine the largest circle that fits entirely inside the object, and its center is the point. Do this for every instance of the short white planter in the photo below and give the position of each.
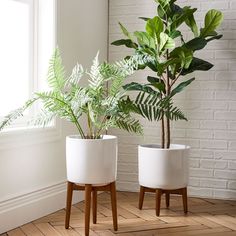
(163, 168)
(91, 161)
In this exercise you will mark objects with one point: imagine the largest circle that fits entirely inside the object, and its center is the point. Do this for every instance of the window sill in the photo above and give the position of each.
(16, 138)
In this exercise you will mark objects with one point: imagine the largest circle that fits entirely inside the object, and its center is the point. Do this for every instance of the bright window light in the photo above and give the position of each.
(15, 55)
(26, 43)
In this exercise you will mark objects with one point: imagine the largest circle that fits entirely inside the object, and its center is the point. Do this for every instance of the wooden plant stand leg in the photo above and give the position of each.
(185, 200)
(114, 205)
(158, 201)
(94, 206)
(159, 192)
(141, 197)
(167, 200)
(88, 191)
(68, 203)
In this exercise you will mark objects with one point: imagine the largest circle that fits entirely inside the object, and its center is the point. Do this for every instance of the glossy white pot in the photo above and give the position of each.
(91, 161)
(163, 168)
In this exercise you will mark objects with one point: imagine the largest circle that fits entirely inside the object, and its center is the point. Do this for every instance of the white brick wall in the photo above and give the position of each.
(209, 103)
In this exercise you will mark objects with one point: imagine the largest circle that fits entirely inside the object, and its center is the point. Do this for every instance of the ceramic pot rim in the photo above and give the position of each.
(78, 137)
(158, 147)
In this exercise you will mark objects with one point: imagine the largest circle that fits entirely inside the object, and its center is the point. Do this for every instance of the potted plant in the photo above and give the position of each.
(164, 49)
(91, 155)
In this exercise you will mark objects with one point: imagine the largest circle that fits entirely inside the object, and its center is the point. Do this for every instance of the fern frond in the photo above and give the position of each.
(129, 124)
(96, 78)
(13, 115)
(153, 107)
(175, 114)
(76, 75)
(43, 118)
(55, 103)
(56, 72)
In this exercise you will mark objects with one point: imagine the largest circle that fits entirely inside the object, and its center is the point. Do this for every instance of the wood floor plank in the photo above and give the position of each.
(66, 232)
(16, 232)
(232, 233)
(147, 227)
(104, 233)
(199, 232)
(81, 232)
(140, 213)
(221, 220)
(31, 229)
(47, 229)
(165, 231)
(198, 218)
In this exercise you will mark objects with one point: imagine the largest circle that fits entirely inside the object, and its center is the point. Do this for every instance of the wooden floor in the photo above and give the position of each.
(206, 217)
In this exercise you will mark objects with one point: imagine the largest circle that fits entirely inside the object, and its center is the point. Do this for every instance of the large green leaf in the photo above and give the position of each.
(199, 43)
(154, 27)
(125, 32)
(178, 19)
(166, 42)
(174, 34)
(197, 64)
(190, 21)
(214, 37)
(133, 86)
(184, 55)
(156, 83)
(213, 19)
(152, 65)
(152, 79)
(165, 8)
(196, 44)
(126, 42)
(181, 86)
(144, 39)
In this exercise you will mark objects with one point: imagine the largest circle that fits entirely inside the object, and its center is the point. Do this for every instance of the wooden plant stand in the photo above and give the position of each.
(90, 189)
(159, 192)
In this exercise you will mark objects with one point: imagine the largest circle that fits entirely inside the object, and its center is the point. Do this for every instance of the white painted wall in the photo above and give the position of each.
(209, 103)
(32, 165)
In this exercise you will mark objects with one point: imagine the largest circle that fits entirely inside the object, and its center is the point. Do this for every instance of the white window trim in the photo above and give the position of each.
(16, 137)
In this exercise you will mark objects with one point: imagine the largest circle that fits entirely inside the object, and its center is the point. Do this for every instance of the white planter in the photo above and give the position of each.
(163, 168)
(91, 161)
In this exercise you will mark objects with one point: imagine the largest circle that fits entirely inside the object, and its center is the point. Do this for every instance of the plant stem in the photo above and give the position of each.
(101, 126)
(162, 133)
(167, 143)
(77, 124)
(89, 124)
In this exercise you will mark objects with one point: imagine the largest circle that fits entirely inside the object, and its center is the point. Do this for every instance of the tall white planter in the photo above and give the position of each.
(91, 161)
(163, 168)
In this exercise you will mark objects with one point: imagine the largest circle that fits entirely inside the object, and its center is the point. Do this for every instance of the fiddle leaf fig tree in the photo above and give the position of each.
(163, 48)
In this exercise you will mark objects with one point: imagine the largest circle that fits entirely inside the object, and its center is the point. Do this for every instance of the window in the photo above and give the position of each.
(26, 44)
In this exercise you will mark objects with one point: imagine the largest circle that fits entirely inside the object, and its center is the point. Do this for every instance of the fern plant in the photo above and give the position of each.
(163, 48)
(103, 106)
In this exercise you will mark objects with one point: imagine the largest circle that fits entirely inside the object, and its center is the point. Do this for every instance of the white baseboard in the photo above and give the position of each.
(26, 208)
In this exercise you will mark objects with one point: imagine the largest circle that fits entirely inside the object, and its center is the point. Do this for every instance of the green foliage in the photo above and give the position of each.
(213, 19)
(154, 27)
(68, 100)
(157, 44)
(56, 72)
(150, 106)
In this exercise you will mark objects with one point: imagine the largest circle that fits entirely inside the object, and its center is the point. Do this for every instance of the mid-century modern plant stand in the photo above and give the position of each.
(159, 192)
(91, 190)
